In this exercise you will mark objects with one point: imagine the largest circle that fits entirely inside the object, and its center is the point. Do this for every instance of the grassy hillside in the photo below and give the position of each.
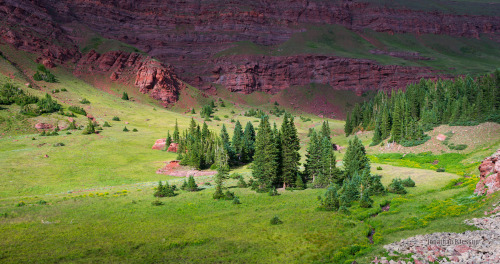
(448, 54)
(91, 199)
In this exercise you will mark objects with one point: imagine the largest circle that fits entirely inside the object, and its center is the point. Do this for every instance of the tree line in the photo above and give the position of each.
(404, 116)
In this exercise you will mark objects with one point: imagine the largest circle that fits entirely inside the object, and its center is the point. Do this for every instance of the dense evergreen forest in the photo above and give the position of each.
(404, 116)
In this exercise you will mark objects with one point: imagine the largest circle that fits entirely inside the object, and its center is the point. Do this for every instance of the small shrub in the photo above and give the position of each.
(125, 96)
(229, 195)
(64, 90)
(365, 201)
(60, 144)
(344, 210)
(226, 116)
(165, 190)
(396, 186)
(408, 182)
(208, 184)
(236, 200)
(84, 101)
(135, 130)
(457, 147)
(115, 118)
(273, 192)
(235, 176)
(242, 183)
(89, 129)
(42, 202)
(77, 110)
(217, 118)
(299, 183)
(232, 111)
(441, 170)
(379, 168)
(20, 204)
(232, 120)
(106, 124)
(125, 129)
(157, 202)
(276, 221)
(191, 185)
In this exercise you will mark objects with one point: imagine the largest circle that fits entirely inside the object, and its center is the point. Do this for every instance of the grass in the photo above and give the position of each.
(466, 55)
(98, 192)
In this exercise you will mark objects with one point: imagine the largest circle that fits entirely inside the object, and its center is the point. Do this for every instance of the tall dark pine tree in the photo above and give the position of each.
(248, 147)
(176, 132)
(237, 142)
(227, 144)
(348, 125)
(222, 161)
(325, 130)
(313, 157)
(168, 141)
(355, 159)
(264, 167)
(290, 151)
(328, 172)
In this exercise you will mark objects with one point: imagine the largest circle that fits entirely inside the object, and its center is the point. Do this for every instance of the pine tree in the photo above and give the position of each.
(237, 142)
(222, 170)
(331, 201)
(355, 159)
(348, 125)
(176, 132)
(328, 170)
(365, 200)
(248, 147)
(264, 167)
(168, 141)
(191, 184)
(313, 157)
(290, 151)
(125, 96)
(325, 130)
(227, 144)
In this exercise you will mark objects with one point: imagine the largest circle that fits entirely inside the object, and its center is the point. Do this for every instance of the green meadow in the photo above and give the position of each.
(90, 201)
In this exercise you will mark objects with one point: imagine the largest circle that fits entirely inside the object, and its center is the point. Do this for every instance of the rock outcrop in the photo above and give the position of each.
(160, 144)
(43, 126)
(272, 74)
(489, 175)
(149, 75)
(172, 147)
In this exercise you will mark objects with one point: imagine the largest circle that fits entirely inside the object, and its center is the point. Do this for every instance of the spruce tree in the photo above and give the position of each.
(248, 146)
(313, 157)
(325, 130)
(264, 167)
(331, 201)
(365, 200)
(222, 170)
(168, 141)
(237, 142)
(290, 151)
(176, 132)
(348, 125)
(125, 96)
(355, 159)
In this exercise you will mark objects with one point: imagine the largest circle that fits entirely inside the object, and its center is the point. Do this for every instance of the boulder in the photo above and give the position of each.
(441, 137)
(172, 147)
(160, 144)
(489, 175)
(43, 126)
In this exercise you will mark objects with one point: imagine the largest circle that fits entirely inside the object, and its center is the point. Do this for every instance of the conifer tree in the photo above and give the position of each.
(325, 130)
(168, 141)
(348, 125)
(237, 142)
(125, 96)
(176, 132)
(264, 167)
(355, 159)
(365, 200)
(222, 170)
(313, 157)
(248, 147)
(290, 151)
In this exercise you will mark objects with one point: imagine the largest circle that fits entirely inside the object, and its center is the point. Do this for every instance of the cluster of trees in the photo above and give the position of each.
(404, 116)
(43, 74)
(197, 146)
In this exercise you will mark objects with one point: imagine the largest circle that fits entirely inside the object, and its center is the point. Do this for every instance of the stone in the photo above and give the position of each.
(160, 144)
(441, 137)
(43, 126)
(489, 173)
(172, 147)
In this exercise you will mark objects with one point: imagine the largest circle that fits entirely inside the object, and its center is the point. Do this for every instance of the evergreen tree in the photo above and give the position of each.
(222, 170)
(331, 201)
(264, 167)
(125, 96)
(237, 142)
(396, 186)
(89, 129)
(248, 147)
(313, 157)
(355, 159)
(348, 125)
(325, 130)
(227, 144)
(176, 132)
(290, 151)
(365, 201)
(168, 141)
(191, 185)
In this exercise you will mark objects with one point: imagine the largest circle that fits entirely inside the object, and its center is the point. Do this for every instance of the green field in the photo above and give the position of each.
(90, 201)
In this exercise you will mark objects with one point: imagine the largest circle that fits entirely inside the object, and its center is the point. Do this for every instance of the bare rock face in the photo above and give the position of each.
(172, 147)
(159, 144)
(149, 75)
(43, 126)
(159, 82)
(246, 74)
(489, 174)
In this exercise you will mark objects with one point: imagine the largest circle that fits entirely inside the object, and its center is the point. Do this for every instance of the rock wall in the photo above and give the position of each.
(149, 75)
(489, 175)
(246, 74)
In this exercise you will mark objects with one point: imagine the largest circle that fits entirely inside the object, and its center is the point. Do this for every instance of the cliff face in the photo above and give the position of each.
(489, 175)
(272, 74)
(188, 33)
(149, 75)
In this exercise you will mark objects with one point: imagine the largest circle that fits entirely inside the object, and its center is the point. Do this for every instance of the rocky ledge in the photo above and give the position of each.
(490, 175)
